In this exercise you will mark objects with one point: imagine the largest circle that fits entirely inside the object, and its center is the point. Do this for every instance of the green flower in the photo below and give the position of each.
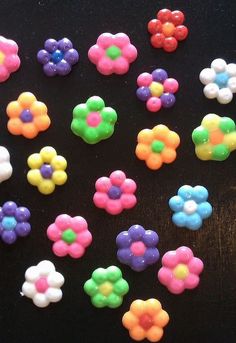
(93, 121)
(106, 287)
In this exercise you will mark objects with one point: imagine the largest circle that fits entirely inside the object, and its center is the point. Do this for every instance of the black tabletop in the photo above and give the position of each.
(206, 314)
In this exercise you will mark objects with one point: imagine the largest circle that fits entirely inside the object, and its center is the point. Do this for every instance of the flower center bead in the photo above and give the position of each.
(2, 57)
(41, 285)
(181, 271)
(26, 116)
(216, 137)
(221, 79)
(69, 236)
(57, 56)
(168, 29)
(106, 288)
(145, 321)
(157, 146)
(9, 223)
(114, 192)
(138, 248)
(46, 171)
(190, 207)
(113, 52)
(156, 89)
(94, 119)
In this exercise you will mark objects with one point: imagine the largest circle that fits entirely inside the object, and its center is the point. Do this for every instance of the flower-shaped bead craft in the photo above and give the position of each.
(47, 169)
(145, 320)
(106, 287)
(27, 116)
(115, 193)
(9, 59)
(167, 30)
(180, 270)
(43, 284)
(219, 81)
(157, 146)
(5, 164)
(58, 57)
(215, 138)
(190, 207)
(157, 90)
(137, 247)
(112, 54)
(13, 222)
(93, 121)
(70, 236)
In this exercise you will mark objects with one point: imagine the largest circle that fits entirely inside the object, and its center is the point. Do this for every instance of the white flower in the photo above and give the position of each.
(43, 284)
(5, 165)
(219, 81)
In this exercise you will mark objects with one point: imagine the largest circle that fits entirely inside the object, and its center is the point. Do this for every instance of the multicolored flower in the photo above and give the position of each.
(112, 53)
(70, 236)
(115, 193)
(47, 170)
(9, 59)
(180, 270)
(137, 247)
(5, 164)
(106, 287)
(93, 121)
(215, 138)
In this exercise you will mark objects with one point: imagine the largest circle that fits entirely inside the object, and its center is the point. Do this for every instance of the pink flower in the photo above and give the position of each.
(180, 270)
(115, 193)
(112, 53)
(9, 59)
(70, 234)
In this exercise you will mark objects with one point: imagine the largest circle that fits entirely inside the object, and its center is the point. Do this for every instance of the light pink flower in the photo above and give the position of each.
(9, 59)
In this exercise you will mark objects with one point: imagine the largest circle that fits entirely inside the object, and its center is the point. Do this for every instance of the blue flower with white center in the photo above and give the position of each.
(190, 206)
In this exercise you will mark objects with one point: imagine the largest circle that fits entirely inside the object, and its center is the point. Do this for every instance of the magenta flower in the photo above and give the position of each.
(115, 193)
(9, 59)
(70, 236)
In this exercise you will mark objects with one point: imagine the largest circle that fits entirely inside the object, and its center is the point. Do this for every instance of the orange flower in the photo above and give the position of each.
(157, 146)
(27, 116)
(145, 319)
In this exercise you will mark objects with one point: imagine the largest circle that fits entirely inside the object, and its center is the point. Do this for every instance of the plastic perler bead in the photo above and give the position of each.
(157, 146)
(167, 30)
(13, 222)
(219, 81)
(145, 319)
(106, 287)
(112, 54)
(70, 236)
(180, 270)
(190, 207)
(58, 57)
(47, 170)
(137, 247)
(215, 138)
(27, 116)
(5, 164)
(93, 121)
(9, 59)
(157, 90)
(43, 284)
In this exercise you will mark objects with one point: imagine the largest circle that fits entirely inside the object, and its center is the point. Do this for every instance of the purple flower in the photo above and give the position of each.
(13, 222)
(57, 57)
(137, 247)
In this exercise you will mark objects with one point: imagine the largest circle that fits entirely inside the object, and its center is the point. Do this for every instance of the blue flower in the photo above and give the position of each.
(190, 207)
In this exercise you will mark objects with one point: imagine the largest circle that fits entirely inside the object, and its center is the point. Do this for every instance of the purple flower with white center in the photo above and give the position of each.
(137, 247)
(13, 222)
(58, 57)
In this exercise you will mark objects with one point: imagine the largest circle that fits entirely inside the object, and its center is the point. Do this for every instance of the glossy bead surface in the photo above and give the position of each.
(9, 59)
(5, 164)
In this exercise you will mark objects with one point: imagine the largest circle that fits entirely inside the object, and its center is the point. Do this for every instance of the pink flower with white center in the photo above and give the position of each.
(115, 193)
(9, 59)
(112, 53)
(70, 236)
(180, 270)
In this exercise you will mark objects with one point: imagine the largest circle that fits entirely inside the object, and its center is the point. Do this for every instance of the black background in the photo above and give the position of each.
(206, 314)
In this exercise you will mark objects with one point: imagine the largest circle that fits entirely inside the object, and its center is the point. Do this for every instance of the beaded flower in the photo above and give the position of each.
(115, 193)
(219, 81)
(5, 164)
(157, 90)
(157, 146)
(190, 207)
(180, 270)
(27, 116)
(13, 222)
(167, 30)
(137, 247)
(70, 236)
(47, 170)
(93, 121)
(9, 59)
(58, 57)
(112, 54)
(145, 319)
(106, 287)
(215, 138)
(43, 284)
